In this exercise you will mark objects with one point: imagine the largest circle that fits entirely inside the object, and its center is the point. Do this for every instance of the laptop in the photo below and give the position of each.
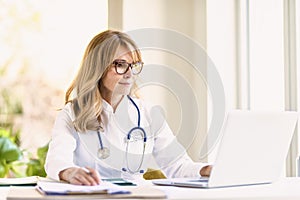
(252, 150)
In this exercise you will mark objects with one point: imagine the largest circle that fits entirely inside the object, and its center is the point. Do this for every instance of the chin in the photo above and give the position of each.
(123, 92)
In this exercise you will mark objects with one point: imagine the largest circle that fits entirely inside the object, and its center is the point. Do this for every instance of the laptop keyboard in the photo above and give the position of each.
(202, 180)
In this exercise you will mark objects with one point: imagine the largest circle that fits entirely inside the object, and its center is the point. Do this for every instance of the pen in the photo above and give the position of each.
(86, 170)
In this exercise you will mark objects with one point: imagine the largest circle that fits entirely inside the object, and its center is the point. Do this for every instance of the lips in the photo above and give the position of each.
(125, 83)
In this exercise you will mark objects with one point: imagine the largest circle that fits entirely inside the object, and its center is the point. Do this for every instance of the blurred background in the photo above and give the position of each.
(253, 44)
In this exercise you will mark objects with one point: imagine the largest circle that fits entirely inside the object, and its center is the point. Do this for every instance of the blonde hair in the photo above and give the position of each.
(98, 56)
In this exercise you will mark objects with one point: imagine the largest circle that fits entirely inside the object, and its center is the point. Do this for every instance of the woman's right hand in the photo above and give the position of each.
(80, 176)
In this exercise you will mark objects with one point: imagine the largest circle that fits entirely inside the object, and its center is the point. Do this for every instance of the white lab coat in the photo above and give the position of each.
(69, 148)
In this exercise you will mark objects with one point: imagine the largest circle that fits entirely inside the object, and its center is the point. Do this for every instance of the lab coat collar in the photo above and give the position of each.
(108, 108)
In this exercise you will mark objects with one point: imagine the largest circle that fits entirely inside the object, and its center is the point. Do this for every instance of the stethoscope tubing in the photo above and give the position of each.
(100, 140)
(128, 140)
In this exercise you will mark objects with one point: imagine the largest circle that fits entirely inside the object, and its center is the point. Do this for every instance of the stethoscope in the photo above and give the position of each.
(104, 152)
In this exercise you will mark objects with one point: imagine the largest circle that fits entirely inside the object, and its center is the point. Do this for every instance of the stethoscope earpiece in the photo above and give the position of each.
(125, 170)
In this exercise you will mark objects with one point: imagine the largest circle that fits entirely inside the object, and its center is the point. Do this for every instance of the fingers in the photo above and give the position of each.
(83, 179)
(205, 171)
(81, 176)
(95, 175)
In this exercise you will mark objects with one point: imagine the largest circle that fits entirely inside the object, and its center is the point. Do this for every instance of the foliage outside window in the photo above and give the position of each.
(14, 161)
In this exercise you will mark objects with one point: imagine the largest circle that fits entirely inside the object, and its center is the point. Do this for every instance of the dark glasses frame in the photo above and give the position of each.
(124, 64)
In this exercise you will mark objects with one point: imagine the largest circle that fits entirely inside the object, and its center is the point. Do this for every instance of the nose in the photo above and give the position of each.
(128, 74)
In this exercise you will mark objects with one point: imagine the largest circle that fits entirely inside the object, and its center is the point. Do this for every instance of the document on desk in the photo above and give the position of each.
(60, 188)
(62, 191)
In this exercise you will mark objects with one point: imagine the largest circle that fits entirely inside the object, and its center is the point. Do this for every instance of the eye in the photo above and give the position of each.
(123, 65)
(137, 64)
(120, 64)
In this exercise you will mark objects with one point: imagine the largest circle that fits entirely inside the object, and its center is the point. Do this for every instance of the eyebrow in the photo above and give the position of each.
(120, 60)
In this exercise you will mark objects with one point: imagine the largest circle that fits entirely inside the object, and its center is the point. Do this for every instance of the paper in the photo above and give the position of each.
(30, 180)
(59, 188)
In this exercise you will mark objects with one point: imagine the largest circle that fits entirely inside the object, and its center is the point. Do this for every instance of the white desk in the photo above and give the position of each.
(286, 189)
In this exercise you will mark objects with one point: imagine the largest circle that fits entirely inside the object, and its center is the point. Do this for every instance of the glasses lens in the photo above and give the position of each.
(121, 67)
(137, 67)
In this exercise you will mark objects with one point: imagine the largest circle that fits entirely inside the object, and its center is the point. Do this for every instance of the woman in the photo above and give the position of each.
(105, 131)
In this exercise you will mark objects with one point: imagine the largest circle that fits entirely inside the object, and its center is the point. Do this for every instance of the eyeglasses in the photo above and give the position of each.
(122, 66)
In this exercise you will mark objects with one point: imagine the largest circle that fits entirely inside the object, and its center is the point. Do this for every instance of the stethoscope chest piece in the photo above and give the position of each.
(103, 153)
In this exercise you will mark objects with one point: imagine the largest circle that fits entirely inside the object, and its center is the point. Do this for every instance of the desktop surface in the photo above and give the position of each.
(285, 188)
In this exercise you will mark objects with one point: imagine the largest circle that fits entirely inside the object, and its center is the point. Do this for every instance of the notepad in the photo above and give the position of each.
(60, 188)
(136, 192)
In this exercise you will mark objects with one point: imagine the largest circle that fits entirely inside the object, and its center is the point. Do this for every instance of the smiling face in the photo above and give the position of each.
(113, 85)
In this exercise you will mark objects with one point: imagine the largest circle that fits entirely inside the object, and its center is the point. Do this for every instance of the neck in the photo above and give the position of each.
(109, 97)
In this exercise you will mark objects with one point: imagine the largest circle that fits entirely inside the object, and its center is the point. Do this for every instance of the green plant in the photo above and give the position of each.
(16, 162)
(35, 166)
(8, 132)
(9, 153)
(10, 103)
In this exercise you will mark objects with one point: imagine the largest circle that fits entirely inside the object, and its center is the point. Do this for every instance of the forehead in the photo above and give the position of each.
(123, 53)
(126, 54)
